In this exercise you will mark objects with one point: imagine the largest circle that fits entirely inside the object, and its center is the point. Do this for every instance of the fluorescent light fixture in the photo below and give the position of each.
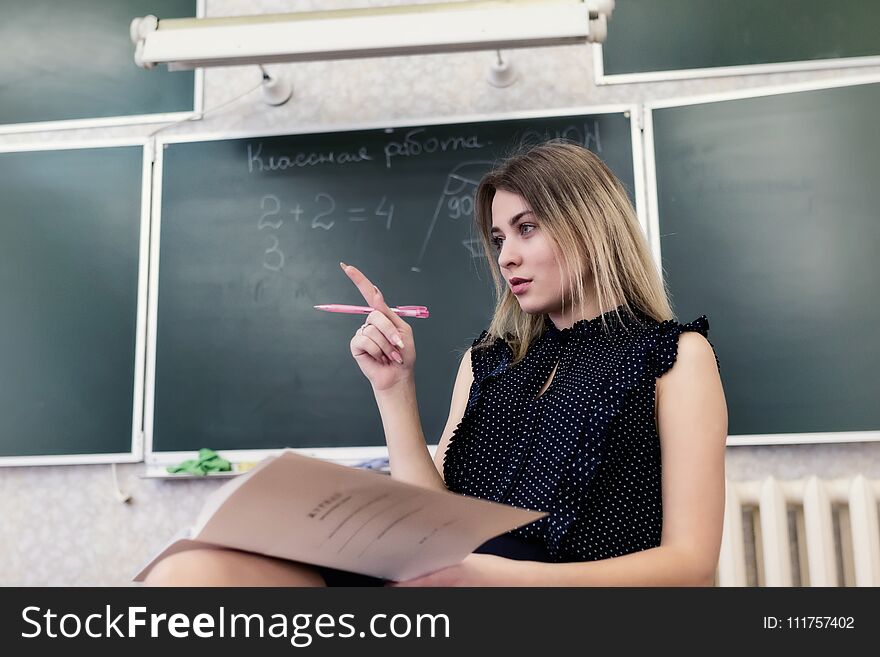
(186, 43)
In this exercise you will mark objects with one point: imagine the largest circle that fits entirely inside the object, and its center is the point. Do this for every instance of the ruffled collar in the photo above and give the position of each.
(595, 326)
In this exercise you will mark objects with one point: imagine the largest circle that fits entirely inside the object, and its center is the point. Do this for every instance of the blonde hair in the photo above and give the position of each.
(593, 228)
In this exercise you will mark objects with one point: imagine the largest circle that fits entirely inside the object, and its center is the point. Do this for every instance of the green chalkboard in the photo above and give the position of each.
(769, 224)
(69, 238)
(251, 234)
(646, 36)
(75, 60)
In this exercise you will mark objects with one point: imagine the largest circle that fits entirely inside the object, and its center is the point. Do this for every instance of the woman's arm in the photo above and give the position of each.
(383, 337)
(692, 424)
(408, 455)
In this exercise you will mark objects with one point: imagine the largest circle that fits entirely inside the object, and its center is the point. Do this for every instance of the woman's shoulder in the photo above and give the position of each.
(664, 343)
(489, 355)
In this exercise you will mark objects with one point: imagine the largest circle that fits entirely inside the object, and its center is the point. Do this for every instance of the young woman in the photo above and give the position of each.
(584, 398)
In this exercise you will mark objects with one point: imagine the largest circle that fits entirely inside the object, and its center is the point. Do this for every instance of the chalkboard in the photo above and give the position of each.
(768, 223)
(684, 36)
(70, 237)
(74, 60)
(249, 240)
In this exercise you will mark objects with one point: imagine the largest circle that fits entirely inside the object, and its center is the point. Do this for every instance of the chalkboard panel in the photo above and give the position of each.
(768, 222)
(75, 60)
(69, 256)
(646, 36)
(251, 234)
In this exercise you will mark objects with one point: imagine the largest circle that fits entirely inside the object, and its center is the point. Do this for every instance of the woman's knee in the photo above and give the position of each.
(217, 567)
(188, 568)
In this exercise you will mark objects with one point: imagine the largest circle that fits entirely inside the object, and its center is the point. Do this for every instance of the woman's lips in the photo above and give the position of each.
(520, 288)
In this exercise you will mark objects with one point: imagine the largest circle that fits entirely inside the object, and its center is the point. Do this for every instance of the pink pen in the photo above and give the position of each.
(403, 311)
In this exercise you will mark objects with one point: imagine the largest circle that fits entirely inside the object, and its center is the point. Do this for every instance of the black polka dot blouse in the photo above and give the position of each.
(587, 450)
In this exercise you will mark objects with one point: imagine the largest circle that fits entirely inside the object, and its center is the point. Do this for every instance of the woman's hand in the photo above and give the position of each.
(475, 570)
(375, 347)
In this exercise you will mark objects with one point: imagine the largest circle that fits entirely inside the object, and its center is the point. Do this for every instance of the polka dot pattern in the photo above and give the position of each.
(587, 450)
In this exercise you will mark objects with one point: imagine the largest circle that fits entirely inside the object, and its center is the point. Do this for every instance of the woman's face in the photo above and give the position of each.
(524, 250)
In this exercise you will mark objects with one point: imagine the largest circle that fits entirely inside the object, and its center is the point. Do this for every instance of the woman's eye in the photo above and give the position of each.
(497, 241)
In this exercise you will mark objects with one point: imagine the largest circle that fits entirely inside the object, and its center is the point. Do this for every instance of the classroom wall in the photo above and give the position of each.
(65, 526)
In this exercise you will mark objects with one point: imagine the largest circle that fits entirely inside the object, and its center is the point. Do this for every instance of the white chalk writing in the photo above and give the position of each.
(587, 135)
(257, 163)
(273, 257)
(412, 146)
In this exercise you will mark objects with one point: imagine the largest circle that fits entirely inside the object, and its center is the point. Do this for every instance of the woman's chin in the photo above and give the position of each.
(530, 308)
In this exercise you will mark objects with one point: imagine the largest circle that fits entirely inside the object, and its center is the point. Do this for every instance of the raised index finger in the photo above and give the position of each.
(370, 293)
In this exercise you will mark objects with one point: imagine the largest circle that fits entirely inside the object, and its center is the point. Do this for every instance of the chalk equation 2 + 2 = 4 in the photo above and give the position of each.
(272, 219)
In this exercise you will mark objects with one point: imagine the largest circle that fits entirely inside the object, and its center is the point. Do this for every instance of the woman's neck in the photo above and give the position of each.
(563, 320)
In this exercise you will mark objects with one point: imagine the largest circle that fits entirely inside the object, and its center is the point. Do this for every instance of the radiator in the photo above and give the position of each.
(805, 532)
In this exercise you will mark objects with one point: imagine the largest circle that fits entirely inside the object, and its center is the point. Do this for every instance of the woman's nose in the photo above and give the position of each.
(508, 255)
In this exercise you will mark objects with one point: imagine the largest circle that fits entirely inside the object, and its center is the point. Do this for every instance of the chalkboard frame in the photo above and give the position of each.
(601, 78)
(723, 71)
(136, 452)
(157, 460)
(654, 229)
(125, 120)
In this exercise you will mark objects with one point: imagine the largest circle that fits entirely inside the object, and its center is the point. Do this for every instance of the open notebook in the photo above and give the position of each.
(313, 511)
